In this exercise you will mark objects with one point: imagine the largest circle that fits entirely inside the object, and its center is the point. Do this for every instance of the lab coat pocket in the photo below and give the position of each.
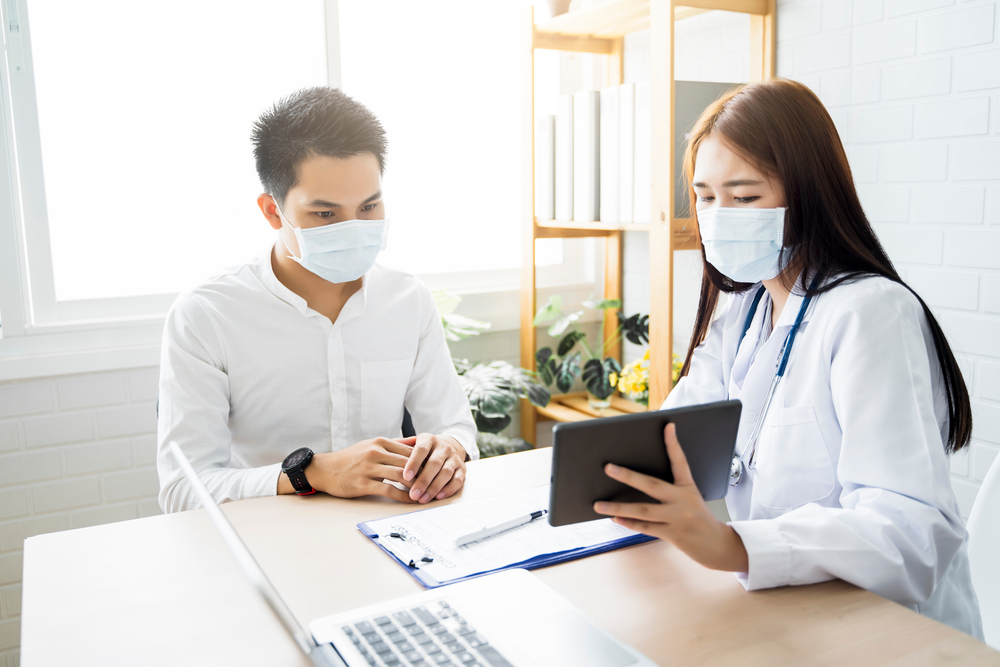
(794, 466)
(383, 388)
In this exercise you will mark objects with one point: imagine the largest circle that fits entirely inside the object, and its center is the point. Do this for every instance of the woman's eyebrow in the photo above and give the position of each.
(731, 184)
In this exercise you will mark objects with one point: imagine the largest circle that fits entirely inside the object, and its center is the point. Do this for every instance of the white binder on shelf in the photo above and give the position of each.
(564, 159)
(643, 157)
(586, 156)
(626, 148)
(545, 167)
(610, 154)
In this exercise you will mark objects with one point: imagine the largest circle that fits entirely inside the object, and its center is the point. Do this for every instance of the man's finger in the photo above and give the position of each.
(678, 461)
(418, 456)
(389, 459)
(392, 473)
(448, 471)
(409, 442)
(394, 446)
(431, 469)
(651, 486)
(389, 491)
(452, 487)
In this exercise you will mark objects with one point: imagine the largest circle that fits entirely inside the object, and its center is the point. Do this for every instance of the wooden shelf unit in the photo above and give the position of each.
(601, 29)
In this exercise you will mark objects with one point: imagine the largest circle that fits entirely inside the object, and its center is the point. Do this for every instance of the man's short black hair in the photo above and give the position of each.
(307, 123)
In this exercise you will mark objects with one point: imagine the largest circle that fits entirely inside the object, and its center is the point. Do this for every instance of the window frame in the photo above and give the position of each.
(41, 336)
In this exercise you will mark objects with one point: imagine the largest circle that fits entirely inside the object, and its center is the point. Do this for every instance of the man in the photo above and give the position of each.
(289, 374)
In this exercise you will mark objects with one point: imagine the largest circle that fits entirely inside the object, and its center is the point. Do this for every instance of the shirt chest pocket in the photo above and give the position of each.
(794, 466)
(383, 389)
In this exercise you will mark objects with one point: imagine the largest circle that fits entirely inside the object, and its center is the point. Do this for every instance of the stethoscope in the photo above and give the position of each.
(739, 467)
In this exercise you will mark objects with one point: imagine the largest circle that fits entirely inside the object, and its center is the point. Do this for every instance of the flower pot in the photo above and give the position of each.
(596, 403)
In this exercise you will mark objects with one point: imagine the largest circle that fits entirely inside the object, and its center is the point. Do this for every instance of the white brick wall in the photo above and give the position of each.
(80, 451)
(75, 451)
(923, 77)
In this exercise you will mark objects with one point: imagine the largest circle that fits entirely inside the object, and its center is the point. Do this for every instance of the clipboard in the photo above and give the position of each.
(407, 552)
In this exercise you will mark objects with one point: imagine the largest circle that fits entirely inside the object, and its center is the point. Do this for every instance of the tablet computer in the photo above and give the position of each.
(580, 450)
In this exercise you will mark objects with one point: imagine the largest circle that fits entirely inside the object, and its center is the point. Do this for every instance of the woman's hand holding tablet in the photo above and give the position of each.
(681, 516)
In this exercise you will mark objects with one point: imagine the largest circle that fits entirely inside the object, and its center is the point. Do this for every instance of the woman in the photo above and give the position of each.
(852, 398)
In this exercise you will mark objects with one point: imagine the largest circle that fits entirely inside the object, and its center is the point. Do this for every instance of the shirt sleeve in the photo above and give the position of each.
(194, 412)
(706, 378)
(898, 526)
(435, 398)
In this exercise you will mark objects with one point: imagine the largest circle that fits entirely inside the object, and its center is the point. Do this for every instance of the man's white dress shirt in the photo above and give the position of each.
(249, 373)
(852, 480)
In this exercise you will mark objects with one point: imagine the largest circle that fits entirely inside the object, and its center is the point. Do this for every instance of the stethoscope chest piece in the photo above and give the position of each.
(736, 470)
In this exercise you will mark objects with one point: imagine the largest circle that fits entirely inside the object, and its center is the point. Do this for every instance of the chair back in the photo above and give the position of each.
(984, 552)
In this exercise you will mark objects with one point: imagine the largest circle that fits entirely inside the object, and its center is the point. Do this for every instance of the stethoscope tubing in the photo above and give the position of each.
(736, 473)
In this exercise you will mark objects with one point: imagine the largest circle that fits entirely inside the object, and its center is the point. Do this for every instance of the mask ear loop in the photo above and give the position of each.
(284, 222)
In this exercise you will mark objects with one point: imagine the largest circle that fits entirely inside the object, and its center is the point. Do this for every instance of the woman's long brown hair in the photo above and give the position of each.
(782, 128)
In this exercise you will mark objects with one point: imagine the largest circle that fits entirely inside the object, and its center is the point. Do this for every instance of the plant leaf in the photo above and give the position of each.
(445, 301)
(550, 311)
(492, 424)
(457, 327)
(538, 395)
(461, 365)
(545, 365)
(490, 394)
(491, 444)
(567, 372)
(603, 304)
(597, 376)
(635, 328)
(563, 323)
(547, 373)
(568, 341)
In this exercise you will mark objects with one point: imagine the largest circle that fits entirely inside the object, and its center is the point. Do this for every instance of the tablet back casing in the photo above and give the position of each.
(707, 434)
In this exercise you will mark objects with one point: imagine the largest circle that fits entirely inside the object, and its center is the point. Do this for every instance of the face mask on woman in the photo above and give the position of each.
(743, 244)
(341, 251)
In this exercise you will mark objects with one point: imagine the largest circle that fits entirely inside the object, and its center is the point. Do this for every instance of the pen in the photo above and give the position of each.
(490, 531)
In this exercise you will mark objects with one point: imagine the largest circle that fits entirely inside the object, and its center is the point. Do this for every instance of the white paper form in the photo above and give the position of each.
(432, 533)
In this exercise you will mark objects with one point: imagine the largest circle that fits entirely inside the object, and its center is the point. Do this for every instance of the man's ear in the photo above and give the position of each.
(269, 209)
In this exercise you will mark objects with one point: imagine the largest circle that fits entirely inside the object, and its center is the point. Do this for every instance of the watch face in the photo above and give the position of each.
(296, 458)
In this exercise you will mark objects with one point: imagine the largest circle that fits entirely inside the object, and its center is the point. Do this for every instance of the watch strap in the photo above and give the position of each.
(299, 482)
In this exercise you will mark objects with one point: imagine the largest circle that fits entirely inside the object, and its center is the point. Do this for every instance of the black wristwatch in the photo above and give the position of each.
(294, 466)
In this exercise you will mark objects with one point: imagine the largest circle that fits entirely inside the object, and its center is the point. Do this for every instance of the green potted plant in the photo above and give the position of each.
(575, 356)
(493, 389)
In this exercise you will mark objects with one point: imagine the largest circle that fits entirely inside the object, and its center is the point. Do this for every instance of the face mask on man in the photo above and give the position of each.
(743, 244)
(341, 251)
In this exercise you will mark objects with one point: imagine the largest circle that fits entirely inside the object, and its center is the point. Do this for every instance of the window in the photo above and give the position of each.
(146, 182)
(444, 79)
(128, 173)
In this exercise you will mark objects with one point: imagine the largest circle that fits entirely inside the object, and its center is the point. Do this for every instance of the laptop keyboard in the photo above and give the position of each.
(431, 635)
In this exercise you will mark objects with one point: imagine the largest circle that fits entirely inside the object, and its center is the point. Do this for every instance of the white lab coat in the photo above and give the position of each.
(852, 479)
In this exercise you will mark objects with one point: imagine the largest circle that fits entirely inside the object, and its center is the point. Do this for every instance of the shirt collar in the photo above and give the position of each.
(354, 306)
(793, 304)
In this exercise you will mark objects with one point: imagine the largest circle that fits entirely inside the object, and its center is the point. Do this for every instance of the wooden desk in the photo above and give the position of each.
(164, 591)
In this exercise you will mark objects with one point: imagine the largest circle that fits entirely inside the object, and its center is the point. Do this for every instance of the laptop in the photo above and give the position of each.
(508, 619)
